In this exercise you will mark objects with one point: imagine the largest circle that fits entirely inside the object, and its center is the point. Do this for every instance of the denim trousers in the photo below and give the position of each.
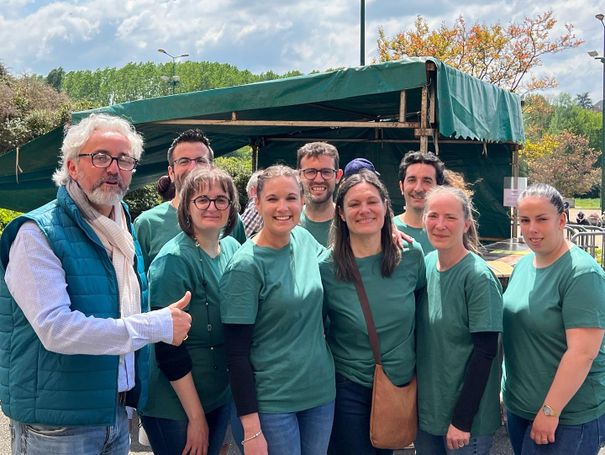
(169, 437)
(430, 444)
(351, 431)
(81, 440)
(584, 439)
(298, 433)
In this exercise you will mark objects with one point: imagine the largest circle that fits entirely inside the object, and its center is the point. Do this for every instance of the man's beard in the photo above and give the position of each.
(98, 196)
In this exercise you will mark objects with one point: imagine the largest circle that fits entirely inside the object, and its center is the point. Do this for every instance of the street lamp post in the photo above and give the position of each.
(596, 55)
(174, 79)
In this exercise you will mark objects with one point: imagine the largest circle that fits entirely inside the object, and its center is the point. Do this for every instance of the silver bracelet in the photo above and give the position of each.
(254, 436)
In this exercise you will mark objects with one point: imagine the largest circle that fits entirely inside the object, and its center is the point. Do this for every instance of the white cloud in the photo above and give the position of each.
(275, 35)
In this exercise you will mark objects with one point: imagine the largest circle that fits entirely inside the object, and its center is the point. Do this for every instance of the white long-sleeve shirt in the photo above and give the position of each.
(36, 280)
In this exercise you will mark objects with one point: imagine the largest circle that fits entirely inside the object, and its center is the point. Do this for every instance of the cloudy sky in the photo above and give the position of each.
(277, 35)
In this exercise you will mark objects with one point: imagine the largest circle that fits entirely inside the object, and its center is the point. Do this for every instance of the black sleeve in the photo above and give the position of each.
(173, 361)
(485, 348)
(238, 340)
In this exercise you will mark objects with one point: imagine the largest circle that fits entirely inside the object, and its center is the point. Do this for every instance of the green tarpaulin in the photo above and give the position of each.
(471, 124)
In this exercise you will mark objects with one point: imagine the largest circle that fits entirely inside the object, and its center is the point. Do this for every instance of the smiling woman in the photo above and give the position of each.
(458, 322)
(554, 313)
(362, 242)
(280, 367)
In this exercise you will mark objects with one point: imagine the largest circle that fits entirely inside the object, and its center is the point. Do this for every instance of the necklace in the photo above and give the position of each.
(214, 253)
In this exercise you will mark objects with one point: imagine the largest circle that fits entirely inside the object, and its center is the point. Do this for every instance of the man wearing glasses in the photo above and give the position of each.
(154, 227)
(318, 166)
(74, 318)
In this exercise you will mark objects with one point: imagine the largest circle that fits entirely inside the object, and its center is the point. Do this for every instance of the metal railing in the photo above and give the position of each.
(588, 237)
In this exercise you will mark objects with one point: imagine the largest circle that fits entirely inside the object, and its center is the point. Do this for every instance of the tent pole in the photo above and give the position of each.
(515, 164)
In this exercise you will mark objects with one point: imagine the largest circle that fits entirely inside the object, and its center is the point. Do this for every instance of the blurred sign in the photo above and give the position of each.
(513, 187)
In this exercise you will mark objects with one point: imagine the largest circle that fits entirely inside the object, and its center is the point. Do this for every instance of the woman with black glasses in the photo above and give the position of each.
(189, 398)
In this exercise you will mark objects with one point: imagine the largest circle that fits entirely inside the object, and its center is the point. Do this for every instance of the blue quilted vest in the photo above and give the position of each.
(42, 387)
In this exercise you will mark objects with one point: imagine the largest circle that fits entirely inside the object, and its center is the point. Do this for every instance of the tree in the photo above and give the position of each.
(564, 161)
(583, 100)
(55, 77)
(502, 55)
(28, 108)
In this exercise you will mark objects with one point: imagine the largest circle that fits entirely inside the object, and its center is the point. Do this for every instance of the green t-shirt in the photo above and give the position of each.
(419, 234)
(464, 299)
(392, 301)
(280, 292)
(154, 227)
(318, 229)
(539, 305)
(182, 266)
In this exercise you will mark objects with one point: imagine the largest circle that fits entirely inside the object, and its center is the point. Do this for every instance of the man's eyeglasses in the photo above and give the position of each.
(184, 162)
(220, 202)
(103, 160)
(310, 173)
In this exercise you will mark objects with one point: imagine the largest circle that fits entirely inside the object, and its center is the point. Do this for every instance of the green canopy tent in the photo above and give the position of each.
(376, 111)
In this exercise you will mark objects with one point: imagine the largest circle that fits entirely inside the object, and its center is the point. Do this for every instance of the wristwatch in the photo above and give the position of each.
(548, 411)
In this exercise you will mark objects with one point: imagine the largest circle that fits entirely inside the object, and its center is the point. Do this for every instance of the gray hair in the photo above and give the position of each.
(78, 135)
(253, 180)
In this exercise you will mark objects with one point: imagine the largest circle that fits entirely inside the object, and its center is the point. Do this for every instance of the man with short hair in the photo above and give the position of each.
(318, 166)
(253, 221)
(74, 318)
(154, 227)
(418, 173)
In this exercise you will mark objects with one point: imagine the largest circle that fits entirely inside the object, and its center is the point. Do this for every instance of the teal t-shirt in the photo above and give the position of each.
(419, 234)
(318, 229)
(539, 305)
(280, 292)
(393, 303)
(464, 299)
(154, 227)
(181, 266)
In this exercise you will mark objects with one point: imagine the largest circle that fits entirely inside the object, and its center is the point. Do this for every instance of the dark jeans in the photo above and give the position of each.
(169, 437)
(431, 444)
(351, 430)
(584, 439)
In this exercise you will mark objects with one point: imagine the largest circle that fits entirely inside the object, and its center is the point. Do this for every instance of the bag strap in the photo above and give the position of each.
(367, 314)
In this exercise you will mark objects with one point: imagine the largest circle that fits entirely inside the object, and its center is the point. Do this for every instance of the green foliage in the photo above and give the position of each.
(6, 216)
(28, 108)
(55, 77)
(142, 199)
(241, 170)
(569, 166)
(136, 81)
(583, 100)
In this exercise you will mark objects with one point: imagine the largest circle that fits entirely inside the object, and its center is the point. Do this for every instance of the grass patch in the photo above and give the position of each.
(588, 203)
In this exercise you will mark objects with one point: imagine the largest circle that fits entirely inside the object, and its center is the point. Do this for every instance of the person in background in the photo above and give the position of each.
(418, 173)
(252, 220)
(317, 163)
(581, 219)
(280, 367)
(392, 276)
(554, 319)
(165, 188)
(189, 400)
(154, 227)
(458, 324)
(73, 299)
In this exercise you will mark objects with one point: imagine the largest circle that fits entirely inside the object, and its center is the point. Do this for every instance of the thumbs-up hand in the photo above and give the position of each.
(181, 320)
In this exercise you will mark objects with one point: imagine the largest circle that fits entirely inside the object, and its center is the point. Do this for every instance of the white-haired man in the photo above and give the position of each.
(73, 307)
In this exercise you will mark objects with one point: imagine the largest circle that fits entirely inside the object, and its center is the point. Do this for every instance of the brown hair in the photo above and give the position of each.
(344, 260)
(277, 170)
(315, 149)
(206, 177)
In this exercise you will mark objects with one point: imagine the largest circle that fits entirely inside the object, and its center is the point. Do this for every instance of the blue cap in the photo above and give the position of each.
(357, 165)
